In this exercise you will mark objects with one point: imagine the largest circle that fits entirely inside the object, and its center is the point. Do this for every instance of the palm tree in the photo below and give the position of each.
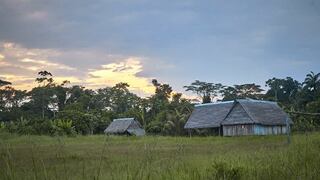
(176, 120)
(312, 83)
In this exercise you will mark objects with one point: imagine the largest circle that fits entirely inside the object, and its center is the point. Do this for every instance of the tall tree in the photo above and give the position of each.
(206, 91)
(163, 91)
(249, 91)
(4, 83)
(160, 99)
(45, 81)
(242, 91)
(122, 99)
(229, 93)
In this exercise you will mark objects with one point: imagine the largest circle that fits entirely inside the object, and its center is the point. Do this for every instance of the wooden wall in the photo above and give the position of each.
(252, 129)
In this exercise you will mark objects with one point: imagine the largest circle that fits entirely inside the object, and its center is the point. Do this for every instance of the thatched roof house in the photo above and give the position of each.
(127, 126)
(240, 117)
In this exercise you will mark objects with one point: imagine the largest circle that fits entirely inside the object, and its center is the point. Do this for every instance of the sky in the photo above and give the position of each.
(100, 43)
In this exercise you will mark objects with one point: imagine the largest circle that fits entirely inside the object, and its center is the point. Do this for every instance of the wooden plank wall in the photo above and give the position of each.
(252, 129)
(238, 130)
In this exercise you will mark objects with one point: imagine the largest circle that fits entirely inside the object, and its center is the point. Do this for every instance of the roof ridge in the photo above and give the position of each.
(255, 100)
(213, 103)
(123, 119)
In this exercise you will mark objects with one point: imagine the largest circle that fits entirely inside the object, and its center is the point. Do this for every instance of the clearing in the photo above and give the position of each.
(158, 157)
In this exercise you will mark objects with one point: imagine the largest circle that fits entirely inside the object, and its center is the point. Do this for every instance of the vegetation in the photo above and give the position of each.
(62, 109)
(159, 157)
(64, 112)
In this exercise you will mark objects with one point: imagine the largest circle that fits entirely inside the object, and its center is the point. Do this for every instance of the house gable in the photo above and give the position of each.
(237, 115)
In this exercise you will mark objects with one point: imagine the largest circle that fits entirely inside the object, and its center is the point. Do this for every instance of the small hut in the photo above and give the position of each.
(125, 126)
(240, 117)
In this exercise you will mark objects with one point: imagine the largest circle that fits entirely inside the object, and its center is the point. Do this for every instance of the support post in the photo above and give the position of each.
(288, 131)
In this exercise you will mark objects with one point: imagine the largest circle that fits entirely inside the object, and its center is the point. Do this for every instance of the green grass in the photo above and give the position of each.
(102, 157)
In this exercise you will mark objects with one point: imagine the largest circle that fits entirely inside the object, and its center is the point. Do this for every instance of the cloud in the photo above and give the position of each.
(14, 56)
(1, 57)
(43, 64)
(19, 81)
(20, 65)
(28, 82)
(215, 41)
(37, 15)
(124, 71)
(93, 68)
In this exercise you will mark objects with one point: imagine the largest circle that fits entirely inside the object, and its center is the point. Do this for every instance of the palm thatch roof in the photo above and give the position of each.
(208, 115)
(125, 126)
(263, 112)
(245, 111)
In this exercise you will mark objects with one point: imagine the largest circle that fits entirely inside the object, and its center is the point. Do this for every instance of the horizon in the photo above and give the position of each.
(174, 42)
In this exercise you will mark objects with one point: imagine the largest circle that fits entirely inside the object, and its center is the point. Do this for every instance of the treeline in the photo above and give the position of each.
(62, 109)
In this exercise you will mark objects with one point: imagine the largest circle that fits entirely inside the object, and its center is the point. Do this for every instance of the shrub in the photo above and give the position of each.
(63, 127)
(83, 123)
(39, 126)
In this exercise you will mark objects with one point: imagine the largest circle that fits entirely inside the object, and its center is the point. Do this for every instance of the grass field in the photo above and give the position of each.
(102, 157)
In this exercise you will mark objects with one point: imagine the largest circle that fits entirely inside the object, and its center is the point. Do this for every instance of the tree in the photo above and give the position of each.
(4, 83)
(248, 91)
(89, 111)
(12, 97)
(160, 99)
(122, 99)
(43, 92)
(283, 90)
(163, 91)
(205, 90)
(11, 101)
(175, 122)
(45, 78)
(312, 84)
(242, 91)
(229, 93)
(84, 123)
(179, 111)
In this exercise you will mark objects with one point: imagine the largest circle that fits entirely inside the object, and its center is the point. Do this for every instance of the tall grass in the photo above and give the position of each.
(101, 157)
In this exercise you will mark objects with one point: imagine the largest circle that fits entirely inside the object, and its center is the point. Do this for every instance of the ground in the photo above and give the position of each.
(156, 157)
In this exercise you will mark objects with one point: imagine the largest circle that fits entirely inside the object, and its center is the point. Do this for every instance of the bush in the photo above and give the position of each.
(63, 127)
(303, 124)
(83, 123)
(39, 126)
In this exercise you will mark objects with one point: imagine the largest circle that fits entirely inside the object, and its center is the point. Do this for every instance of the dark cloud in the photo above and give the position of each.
(222, 41)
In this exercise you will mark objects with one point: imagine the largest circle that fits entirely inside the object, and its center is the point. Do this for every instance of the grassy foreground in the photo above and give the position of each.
(102, 157)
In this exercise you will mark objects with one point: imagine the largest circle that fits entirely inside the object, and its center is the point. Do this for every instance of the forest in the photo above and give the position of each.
(58, 109)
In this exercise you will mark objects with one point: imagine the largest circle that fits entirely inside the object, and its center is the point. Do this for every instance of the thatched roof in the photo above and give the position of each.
(241, 111)
(263, 112)
(125, 125)
(208, 115)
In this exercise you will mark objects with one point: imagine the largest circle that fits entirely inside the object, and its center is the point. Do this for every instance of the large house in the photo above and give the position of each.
(240, 117)
(125, 126)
